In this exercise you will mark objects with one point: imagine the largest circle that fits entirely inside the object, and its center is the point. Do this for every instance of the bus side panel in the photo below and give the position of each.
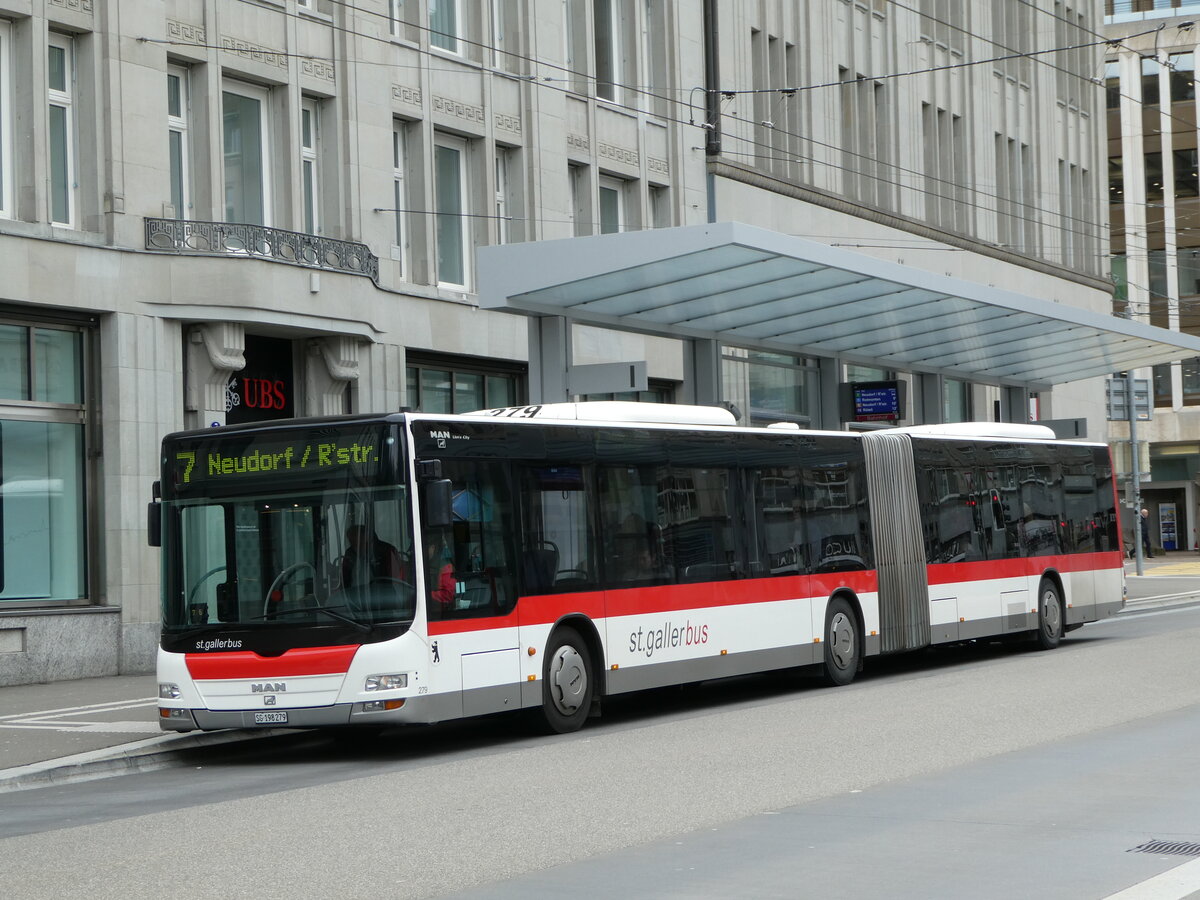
(686, 633)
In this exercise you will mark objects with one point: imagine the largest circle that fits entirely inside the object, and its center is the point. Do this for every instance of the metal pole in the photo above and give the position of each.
(712, 103)
(1134, 474)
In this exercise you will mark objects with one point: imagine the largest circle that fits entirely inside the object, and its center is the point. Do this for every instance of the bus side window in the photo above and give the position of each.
(478, 545)
(556, 516)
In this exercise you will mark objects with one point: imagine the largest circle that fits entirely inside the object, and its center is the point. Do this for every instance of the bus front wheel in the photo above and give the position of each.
(1050, 615)
(843, 648)
(567, 682)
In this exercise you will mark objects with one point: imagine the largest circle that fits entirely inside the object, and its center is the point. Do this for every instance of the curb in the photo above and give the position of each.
(1166, 601)
(137, 756)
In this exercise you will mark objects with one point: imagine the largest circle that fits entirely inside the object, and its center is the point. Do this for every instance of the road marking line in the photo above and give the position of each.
(1174, 884)
(75, 710)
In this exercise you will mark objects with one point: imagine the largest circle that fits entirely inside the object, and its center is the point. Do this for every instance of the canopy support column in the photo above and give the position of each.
(549, 359)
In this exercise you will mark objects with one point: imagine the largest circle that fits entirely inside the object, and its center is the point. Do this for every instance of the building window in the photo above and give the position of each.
(443, 24)
(1112, 85)
(581, 218)
(309, 144)
(396, 20)
(6, 154)
(1182, 77)
(61, 89)
(177, 139)
(503, 232)
(607, 47)
(399, 186)
(42, 521)
(956, 401)
(1191, 381)
(246, 146)
(769, 387)
(1150, 69)
(450, 190)
(656, 392)
(660, 206)
(454, 386)
(612, 205)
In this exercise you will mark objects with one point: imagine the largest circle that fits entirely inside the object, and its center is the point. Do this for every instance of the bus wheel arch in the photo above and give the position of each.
(570, 679)
(1051, 611)
(842, 637)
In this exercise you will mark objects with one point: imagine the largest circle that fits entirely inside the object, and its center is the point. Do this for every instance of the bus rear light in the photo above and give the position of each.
(168, 691)
(386, 682)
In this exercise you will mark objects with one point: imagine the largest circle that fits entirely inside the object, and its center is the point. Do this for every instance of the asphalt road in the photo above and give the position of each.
(983, 771)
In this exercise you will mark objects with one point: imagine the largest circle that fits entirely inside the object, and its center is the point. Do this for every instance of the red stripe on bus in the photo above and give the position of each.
(248, 664)
(982, 570)
(546, 609)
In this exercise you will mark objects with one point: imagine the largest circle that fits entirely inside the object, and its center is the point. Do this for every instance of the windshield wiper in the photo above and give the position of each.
(328, 610)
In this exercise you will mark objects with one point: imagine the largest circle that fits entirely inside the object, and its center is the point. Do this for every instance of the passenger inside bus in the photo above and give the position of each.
(439, 573)
(369, 558)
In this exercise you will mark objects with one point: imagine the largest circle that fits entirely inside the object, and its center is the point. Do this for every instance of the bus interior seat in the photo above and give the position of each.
(540, 566)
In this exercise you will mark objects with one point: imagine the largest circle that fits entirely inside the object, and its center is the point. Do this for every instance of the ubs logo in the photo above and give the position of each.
(269, 687)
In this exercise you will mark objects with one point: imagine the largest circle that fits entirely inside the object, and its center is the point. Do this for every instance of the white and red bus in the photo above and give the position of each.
(385, 569)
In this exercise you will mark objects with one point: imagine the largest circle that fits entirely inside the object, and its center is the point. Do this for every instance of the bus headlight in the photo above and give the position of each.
(168, 691)
(386, 682)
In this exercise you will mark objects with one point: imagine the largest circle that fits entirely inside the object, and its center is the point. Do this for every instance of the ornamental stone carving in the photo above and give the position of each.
(458, 109)
(406, 94)
(254, 52)
(185, 32)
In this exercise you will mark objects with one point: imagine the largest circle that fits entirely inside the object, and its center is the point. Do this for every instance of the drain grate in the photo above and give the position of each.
(1174, 848)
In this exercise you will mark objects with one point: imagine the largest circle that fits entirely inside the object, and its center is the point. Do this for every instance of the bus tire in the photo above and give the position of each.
(568, 682)
(843, 646)
(1050, 615)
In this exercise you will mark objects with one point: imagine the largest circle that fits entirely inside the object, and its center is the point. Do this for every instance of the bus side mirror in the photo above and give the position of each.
(438, 503)
(154, 517)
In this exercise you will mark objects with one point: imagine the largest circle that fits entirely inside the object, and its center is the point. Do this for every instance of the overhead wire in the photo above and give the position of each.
(799, 159)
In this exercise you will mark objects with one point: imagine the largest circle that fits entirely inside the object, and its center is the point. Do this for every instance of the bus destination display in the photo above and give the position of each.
(276, 457)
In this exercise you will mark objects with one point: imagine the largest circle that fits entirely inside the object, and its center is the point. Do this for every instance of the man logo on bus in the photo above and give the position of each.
(269, 687)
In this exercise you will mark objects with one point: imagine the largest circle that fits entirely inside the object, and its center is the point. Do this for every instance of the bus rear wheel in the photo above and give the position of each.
(567, 682)
(1050, 616)
(843, 648)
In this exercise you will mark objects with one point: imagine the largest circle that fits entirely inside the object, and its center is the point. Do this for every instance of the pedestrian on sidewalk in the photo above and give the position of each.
(1144, 526)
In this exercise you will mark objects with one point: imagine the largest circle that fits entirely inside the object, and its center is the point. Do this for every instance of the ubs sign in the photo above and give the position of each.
(265, 389)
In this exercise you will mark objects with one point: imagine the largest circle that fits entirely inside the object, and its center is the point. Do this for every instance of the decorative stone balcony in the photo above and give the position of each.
(234, 239)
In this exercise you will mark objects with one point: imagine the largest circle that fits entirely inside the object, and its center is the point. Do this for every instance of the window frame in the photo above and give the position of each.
(310, 164)
(503, 231)
(454, 36)
(262, 96)
(617, 186)
(6, 142)
(613, 30)
(65, 100)
(400, 192)
(461, 147)
(178, 124)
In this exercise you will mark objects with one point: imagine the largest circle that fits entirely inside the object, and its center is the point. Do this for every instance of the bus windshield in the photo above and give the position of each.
(268, 560)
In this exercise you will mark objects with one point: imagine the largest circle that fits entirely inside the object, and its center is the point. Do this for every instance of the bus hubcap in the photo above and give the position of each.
(841, 640)
(568, 680)
(1050, 612)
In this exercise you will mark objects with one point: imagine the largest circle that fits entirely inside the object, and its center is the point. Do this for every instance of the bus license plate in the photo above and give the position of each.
(270, 718)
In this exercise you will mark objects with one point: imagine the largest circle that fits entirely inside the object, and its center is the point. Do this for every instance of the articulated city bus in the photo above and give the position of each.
(386, 569)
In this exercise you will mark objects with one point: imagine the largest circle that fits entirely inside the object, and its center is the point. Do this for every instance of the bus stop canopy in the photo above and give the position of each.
(751, 287)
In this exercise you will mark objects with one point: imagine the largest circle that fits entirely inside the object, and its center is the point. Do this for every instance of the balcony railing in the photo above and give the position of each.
(234, 239)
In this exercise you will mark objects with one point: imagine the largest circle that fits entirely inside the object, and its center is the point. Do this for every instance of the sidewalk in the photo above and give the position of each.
(73, 730)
